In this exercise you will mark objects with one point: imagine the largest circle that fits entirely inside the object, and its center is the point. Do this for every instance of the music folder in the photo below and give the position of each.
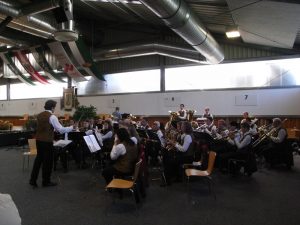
(92, 143)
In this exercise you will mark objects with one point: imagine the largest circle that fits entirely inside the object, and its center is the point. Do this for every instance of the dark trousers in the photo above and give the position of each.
(43, 158)
(173, 162)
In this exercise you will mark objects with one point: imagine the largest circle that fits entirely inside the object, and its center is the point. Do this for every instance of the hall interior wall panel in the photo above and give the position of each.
(269, 102)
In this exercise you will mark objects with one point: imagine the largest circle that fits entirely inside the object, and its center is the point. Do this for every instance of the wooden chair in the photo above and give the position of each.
(126, 184)
(206, 174)
(25, 117)
(32, 151)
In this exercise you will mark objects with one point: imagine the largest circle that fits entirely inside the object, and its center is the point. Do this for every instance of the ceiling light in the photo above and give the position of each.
(232, 32)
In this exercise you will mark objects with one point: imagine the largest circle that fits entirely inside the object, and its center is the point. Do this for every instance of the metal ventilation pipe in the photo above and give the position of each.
(11, 8)
(177, 15)
(143, 49)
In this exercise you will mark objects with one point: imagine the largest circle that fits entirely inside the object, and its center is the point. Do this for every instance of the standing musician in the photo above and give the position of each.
(207, 113)
(47, 122)
(241, 146)
(183, 152)
(182, 114)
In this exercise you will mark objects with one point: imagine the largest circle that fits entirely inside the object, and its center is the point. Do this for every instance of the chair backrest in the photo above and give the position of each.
(32, 146)
(136, 170)
(211, 161)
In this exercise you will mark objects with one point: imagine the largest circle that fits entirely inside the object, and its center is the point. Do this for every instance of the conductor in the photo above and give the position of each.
(47, 122)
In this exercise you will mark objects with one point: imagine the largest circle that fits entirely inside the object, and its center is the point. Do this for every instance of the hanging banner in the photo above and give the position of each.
(39, 56)
(63, 59)
(6, 57)
(29, 68)
(86, 64)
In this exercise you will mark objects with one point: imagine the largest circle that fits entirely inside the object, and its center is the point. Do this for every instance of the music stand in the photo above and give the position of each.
(204, 138)
(142, 133)
(153, 136)
(77, 138)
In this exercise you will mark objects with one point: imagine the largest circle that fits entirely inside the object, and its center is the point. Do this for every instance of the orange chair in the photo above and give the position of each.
(126, 184)
(206, 174)
(25, 117)
(32, 151)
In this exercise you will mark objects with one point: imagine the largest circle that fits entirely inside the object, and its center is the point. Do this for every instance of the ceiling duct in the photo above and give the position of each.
(143, 49)
(64, 17)
(13, 9)
(177, 15)
(36, 24)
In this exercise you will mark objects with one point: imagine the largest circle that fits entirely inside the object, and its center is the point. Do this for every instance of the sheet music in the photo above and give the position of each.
(95, 142)
(92, 143)
(99, 137)
(61, 143)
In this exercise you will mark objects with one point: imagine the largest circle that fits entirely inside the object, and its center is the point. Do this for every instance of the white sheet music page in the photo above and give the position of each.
(99, 137)
(89, 143)
(95, 143)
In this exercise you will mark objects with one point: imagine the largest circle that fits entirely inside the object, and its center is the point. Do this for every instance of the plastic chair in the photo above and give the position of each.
(126, 184)
(206, 174)
(32, 151)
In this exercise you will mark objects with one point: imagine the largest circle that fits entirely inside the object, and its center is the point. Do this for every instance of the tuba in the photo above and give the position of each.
(190, 115)
(173, 116)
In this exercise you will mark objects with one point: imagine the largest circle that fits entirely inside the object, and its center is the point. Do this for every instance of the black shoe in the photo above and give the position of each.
(33, 184)
(49, 184)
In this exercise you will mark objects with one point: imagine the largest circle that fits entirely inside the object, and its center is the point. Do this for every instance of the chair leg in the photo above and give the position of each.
(134, 197)
(28, 162)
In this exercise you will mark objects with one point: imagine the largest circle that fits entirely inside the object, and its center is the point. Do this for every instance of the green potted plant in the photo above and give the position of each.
(84, 113)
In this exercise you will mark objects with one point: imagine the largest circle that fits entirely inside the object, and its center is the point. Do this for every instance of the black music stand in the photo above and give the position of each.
(142, 133)
(77, 138)
(204, 138)
(153, 136)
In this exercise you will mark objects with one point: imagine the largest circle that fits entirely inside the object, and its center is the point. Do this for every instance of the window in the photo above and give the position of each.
(3, 92)
(129, 82)
(271, 73)
(24, 91)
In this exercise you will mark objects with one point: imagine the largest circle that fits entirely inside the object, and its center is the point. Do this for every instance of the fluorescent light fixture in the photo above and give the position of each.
(232, 32)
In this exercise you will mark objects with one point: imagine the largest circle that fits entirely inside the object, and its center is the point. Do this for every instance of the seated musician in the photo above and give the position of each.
(179, 153)
(143, 124)
(277, 143)
(241, 146)
(209, 127)
(135, 137)
(124, 155)
(99, 124)
(157, 130)
(182, 114)
(222, 131)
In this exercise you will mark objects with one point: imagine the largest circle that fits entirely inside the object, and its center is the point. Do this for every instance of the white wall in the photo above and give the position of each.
(268, 102)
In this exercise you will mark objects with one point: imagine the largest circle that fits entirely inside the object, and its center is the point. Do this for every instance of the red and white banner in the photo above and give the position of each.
(29, 68)
(62, 57)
